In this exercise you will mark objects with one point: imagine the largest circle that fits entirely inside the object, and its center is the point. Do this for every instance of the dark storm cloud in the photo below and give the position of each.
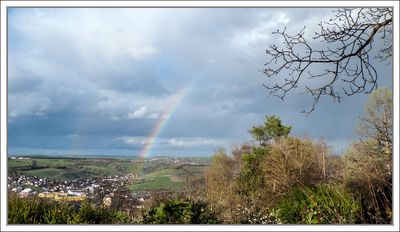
(99, 79)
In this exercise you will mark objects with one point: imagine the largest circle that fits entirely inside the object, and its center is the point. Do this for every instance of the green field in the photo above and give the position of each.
(99, 171)
(161, 180)
(54, 162)
(154, 175)
(13, 163)
(55, 173)
(72, 168)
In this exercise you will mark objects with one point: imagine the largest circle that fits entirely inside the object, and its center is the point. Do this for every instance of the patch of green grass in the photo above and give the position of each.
(59, 174)
(125, 167)
(44, 172)
(100, 171)
(164, 172)
(54, 162)
(163, 182)
(160, 180)
(132, 167)
(13, 163)
(194, 170)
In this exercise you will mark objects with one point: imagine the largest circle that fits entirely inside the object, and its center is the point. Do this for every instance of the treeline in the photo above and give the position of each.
(277, 179)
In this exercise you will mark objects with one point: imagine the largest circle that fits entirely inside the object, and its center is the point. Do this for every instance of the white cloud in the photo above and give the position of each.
(179, 142)
(133, 140)
(142, 52)
(195, 142)
(139, 113)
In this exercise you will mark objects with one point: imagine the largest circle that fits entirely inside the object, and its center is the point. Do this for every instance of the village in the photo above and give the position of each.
(107, 191)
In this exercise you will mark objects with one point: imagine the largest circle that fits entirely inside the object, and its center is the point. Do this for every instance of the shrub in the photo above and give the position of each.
(324, 204)
(178, 212)
(38, 211)
(91, 215)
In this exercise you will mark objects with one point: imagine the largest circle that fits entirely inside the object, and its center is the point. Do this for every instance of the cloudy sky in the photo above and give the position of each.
(99, 81)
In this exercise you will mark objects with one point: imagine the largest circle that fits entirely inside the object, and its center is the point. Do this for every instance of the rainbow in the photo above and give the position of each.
(162, 121)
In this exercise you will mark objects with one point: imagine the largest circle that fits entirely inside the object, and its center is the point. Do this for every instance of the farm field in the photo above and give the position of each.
(70, 168)
(163, 179)
(169, 178)
(153, 174)
(59, 174)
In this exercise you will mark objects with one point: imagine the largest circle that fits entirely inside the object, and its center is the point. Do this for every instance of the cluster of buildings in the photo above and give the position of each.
(110, 191)
(101, 190)
(69, 196)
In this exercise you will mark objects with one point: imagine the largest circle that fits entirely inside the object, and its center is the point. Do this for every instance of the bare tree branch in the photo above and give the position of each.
(341, 69)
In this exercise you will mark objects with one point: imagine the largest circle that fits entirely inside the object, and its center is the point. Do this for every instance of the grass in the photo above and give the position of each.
(13, 163)
(164, 172)
(99, 171)
(125, 167)
(194, 170)
(54, 162)
(59, 174)
(67, 169)
(44, 172)
(160, 180)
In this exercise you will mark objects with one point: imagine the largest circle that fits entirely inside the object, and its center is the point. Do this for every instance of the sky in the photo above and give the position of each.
(152, 81)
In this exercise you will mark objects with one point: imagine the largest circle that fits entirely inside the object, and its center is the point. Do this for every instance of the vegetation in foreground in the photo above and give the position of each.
(39, 211)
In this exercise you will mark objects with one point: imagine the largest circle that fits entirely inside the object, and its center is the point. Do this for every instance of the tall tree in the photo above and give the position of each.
(377, 123)
(369, 162)
(219, 181)
(272, 129)
(344, 67)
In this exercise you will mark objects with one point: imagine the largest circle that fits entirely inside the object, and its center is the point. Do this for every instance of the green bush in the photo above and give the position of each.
(178, 212)
(91, 215)
(325, 204)
(38, 211)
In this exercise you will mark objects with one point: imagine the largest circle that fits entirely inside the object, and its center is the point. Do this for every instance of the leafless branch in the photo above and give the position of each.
(343, 67)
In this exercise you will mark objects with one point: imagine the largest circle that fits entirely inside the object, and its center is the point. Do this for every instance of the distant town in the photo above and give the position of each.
(120, 183)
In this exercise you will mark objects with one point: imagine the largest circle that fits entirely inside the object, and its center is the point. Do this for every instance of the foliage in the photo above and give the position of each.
(88, 214)
(250, 182)
(377, 123)
(38, 211)
(369, 178)
(368, 162)
(325, 204)
(178, 212)
(219, 183)
(293, 161)
(271, 130)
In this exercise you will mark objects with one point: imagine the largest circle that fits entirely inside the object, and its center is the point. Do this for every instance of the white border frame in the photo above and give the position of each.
(325, 4)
